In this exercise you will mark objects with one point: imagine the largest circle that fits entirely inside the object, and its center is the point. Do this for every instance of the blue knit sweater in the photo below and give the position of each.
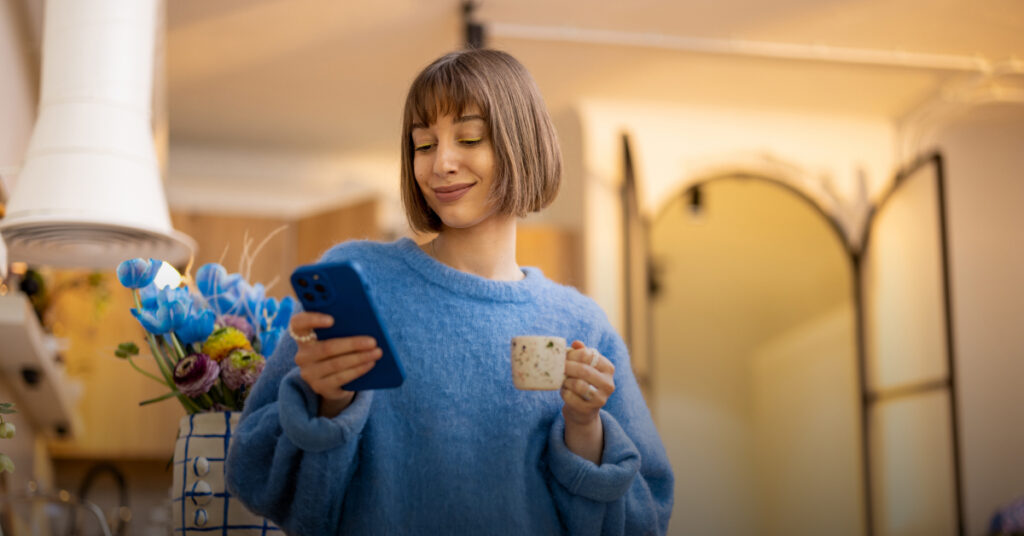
(456, 450)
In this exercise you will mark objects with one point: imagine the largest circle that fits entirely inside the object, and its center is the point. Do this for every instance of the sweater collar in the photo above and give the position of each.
(467, 284)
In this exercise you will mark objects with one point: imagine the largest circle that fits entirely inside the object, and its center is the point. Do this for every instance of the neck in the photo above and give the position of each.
(487, 249)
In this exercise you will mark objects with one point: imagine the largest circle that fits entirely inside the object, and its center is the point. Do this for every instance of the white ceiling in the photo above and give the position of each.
(330, 76)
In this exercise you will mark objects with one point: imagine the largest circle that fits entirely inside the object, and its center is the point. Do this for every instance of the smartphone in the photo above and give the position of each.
(339, 289)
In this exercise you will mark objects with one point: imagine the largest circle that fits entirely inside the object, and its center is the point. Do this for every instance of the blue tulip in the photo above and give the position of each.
(178, 303)
(219, 288)
(269, 340)
(138, 272)
(156, 322)
(197, 327)
(284, 312)
(253, 297)
(147, 295)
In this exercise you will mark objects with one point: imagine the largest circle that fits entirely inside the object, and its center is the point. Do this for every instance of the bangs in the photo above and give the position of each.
(446, 89)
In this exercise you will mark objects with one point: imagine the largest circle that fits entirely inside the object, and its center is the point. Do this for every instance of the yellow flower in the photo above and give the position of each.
(222, 341)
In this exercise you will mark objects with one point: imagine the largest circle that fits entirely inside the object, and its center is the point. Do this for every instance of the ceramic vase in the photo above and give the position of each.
(200, 501)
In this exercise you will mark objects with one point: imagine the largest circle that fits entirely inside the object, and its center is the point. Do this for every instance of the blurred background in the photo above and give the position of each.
(802, 215)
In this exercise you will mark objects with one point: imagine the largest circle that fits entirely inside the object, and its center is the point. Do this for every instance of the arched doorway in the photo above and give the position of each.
(754, 347)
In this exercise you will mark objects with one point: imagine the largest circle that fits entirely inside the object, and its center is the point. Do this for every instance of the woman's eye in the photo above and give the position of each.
(470, 141)
(423, 147)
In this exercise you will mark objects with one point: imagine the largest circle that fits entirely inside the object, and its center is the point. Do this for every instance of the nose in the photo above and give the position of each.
(447, 161)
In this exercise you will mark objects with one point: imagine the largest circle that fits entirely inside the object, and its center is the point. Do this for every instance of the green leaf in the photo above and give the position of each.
(129, 348)
(7, 408)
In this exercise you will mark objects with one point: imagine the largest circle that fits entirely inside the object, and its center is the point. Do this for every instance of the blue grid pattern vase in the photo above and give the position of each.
(201, 504)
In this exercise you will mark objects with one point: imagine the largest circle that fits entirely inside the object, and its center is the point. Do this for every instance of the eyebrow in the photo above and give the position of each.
(463, 119)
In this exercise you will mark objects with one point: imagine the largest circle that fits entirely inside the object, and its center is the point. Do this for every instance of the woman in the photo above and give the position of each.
(457, 449)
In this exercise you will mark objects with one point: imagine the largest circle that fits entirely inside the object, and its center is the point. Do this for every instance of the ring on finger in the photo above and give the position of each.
(593, 362)
(589, 395)
(309, 337)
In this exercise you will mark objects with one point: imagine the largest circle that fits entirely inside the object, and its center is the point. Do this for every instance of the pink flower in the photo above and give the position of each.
(196, 374)
(241, 368)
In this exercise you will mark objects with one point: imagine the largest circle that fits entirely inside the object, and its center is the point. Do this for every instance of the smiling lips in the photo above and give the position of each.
(452, 192)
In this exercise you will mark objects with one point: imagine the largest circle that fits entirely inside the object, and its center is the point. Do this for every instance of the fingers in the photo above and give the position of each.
(303, 323)
(319, 350)
(328, 364)
(327, 376)
(589, 379)
(588, 375)
(583, 395)
(590, 356)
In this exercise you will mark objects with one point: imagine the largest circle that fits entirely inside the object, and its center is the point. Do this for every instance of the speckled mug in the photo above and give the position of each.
(538, 362)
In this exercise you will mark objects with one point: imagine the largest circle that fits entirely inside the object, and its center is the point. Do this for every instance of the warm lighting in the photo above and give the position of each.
(167, 276)
(19, 268)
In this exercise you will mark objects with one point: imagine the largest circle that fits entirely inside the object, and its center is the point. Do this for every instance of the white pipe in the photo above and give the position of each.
(756, 49)
(89, 193)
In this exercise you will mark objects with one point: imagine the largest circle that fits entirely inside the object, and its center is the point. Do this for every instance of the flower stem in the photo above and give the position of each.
(159, 398)
(229, 398)
(177, 345)
(161, 363)
(145, 373)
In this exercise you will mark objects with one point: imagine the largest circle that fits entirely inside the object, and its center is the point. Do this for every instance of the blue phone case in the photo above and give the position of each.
(339, 289)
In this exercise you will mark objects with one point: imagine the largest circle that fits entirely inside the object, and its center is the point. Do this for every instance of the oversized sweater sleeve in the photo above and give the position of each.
(630, 493)
(285, 462)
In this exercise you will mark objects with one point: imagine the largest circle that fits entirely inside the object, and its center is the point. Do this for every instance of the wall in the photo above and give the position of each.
(282, 184)
(807, 429)
(674, 145)
(985, 163)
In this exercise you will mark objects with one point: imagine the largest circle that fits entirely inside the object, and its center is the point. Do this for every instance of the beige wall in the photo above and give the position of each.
(985, 177)
(734, 401)
(806, 428)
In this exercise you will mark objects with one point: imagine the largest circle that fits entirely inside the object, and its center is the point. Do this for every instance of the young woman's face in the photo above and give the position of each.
(453, 161)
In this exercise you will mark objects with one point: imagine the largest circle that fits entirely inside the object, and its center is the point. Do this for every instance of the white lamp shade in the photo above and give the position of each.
(90, 194)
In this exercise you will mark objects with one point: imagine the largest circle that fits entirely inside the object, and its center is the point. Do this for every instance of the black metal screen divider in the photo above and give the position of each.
(869, 398)
(855, 256)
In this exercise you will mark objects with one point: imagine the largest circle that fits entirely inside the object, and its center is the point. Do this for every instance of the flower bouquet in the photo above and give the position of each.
(210, 345)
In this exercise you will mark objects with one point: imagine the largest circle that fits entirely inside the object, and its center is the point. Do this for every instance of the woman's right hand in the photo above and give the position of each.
(327, 365)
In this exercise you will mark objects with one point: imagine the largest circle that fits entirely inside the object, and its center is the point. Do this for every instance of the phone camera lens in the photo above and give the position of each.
(308, 296)
(320, 288)
(303, 283)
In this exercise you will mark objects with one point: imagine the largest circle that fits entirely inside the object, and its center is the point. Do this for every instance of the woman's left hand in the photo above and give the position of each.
(589, 382)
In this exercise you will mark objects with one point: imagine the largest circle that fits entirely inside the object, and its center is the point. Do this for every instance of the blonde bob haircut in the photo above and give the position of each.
(528, 161)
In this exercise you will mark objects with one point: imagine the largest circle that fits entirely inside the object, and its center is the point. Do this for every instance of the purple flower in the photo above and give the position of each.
(237, 322)
(241, 368)
(196, 374)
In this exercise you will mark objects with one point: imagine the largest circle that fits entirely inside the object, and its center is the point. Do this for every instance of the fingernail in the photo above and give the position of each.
(369, 342)
(327, 320)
